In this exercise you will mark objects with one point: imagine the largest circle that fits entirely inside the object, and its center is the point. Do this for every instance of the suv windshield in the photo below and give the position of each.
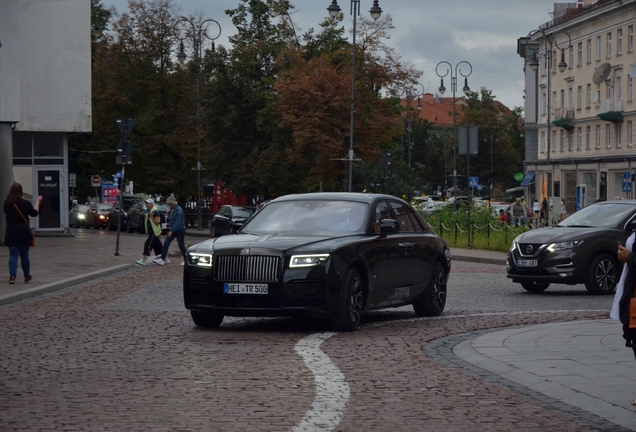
(309, 217)
(601, 216)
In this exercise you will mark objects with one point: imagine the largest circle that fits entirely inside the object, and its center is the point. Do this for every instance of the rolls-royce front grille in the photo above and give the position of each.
(246, 268)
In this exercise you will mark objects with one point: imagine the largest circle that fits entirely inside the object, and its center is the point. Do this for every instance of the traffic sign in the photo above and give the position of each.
(627, 186)
(479, 187)
(96, 181)
(627, 175)
(72, 180)
(473, 182)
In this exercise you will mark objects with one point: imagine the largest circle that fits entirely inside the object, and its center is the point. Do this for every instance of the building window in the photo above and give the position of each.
(588, 137)
(630, 88)
(553, 142)
(618, 83)
(619, 41)
(589, 50)
(579, 97)
(619, 135)
(629, 134)
(562, 139)
(630, 38)
(571, 62)
(579, 142)
(589, 95)
(544, 104)
(543, 147)
(598, 47)
(554, 62)
(554, 100)
(609, 45)
(580, 54)
(598, 137)
(608, 136)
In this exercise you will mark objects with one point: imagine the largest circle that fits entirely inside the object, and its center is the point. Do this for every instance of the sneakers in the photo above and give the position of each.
(159, 261)
(182, 263)
(141, 262)
(28, 279)
(167, 260)
(11, 280)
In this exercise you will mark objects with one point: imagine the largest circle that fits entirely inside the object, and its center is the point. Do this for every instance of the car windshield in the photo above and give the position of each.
(104, 207)
(307, 217)
(243, 212)
(599, 216)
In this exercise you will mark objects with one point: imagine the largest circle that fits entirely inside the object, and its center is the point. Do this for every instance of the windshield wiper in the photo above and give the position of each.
(579, 226)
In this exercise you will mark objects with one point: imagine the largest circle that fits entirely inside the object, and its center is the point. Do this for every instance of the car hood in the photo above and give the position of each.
(276, 242)
(559, 234)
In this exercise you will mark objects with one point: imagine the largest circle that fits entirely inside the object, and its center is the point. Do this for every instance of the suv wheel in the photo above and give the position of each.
(602, 275)
(535, 287)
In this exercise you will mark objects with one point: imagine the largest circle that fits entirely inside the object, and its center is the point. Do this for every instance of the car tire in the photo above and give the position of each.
(206, 319)
(602, 275)
(433, 300)
(348, 315)
(535, 287)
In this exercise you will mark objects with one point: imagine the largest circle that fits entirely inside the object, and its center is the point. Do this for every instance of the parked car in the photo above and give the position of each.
(121, 207)
(76, 215)
(579, 249)
(137, 217)
(97, 215)
(229, 219)
(330, 255)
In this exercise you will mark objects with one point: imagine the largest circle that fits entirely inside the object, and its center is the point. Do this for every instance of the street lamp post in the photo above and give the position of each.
(197, 33)
(334, 11)
(550, 41)
(466, 90)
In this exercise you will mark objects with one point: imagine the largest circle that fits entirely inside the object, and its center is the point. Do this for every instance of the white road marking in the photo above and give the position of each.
(332, 390)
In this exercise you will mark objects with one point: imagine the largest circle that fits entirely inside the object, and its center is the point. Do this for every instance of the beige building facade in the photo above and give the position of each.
(580, 112)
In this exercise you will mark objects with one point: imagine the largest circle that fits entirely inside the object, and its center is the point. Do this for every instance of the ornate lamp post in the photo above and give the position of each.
(197, 33)
(534, 41)
(466, 90)
(375, 12)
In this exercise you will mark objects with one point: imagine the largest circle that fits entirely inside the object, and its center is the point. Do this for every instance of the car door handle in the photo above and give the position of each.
(407, 245)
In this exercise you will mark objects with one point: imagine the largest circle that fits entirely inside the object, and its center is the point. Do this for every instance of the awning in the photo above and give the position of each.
(515, 189)
(529, 179)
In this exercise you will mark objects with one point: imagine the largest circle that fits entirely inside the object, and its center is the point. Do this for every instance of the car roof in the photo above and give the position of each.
(338, 196)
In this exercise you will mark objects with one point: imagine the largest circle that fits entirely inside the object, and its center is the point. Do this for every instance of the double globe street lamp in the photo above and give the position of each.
(334, 11)
(442, 90)
(197, 32)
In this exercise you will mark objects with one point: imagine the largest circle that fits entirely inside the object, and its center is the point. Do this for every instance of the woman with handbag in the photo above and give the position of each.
(18, 236)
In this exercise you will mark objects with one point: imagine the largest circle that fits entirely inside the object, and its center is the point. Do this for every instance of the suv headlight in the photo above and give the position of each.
(564, 245)
(199, 259)
(308, 260)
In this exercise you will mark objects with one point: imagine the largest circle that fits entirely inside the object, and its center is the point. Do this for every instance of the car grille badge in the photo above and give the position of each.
(529, 249)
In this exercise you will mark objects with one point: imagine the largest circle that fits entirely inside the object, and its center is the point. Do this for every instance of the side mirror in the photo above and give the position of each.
(389, 226)
(631, 225)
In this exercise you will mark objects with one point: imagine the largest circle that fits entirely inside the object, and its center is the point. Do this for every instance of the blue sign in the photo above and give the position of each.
(473, 182)
(627, 186)
(117, 174)
(626, 175)
(479, 187)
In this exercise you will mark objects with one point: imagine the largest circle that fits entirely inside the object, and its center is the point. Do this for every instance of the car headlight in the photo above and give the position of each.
(564, 245)
(81, 216)
(513, 245)
(199, 259)
(308, 260)
(102, 217)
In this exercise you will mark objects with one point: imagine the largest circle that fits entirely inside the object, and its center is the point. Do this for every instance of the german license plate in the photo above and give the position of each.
(527, 263)
(237, 288)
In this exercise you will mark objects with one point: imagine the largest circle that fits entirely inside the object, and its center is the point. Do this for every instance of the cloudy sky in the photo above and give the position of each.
(482, 32)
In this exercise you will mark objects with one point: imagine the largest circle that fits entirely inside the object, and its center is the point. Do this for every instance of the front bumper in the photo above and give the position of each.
(552, 267)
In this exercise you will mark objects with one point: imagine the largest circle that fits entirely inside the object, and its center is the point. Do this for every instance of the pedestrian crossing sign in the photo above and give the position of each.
(473, 182)
(627, 187)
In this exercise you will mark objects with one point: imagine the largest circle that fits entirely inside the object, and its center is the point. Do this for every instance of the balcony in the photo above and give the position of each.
(563, 118)
(611, 110)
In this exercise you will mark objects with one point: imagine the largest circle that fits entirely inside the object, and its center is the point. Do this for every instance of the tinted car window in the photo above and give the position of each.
(381, 212)
(414, 221)
(402, 216)
(242, 212)
(104, 207)
(309, 217)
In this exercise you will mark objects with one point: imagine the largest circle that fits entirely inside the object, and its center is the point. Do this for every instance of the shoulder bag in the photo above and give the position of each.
(32, 242)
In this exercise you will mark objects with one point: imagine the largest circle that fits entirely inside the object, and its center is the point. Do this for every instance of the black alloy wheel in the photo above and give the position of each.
(535, 287)
(602, 275)
(206, 319)
(433, 300)
(349, 314)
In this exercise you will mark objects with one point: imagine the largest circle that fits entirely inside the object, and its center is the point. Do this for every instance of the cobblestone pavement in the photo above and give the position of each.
(121, 353)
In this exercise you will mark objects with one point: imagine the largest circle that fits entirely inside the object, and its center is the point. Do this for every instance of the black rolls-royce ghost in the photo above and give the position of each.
(331, 255)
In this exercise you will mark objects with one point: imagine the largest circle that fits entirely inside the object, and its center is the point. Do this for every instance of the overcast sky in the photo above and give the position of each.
(482, 32)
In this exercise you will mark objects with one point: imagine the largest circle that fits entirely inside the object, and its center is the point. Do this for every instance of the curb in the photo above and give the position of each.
(58, 285)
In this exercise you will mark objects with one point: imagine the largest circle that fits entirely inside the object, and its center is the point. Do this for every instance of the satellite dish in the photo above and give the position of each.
(632, 71)
(601, 73)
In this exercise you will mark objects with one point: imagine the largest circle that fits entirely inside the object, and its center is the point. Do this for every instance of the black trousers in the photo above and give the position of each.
(152, 244)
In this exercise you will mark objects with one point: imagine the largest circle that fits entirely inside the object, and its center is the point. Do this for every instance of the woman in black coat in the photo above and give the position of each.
(18, 232)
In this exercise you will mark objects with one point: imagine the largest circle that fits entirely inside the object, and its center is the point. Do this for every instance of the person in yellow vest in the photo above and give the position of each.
(152, 224)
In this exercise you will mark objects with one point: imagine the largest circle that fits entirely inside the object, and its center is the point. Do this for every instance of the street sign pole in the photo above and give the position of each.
(124, 150)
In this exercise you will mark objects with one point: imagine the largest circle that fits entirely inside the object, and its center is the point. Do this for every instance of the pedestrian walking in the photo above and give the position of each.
(563, 210)
(177, 230)
(625, 292)
(544, 210)
(18, 235)
(518, 212)
(536, 209)
(152, 223)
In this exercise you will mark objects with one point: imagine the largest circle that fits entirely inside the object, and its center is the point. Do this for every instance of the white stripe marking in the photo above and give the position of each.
(332, 390)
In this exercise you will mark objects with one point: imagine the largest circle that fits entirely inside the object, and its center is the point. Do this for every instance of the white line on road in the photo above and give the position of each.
(332, 390)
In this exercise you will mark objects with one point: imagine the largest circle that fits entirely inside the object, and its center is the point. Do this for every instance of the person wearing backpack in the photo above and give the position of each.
(152, 224)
